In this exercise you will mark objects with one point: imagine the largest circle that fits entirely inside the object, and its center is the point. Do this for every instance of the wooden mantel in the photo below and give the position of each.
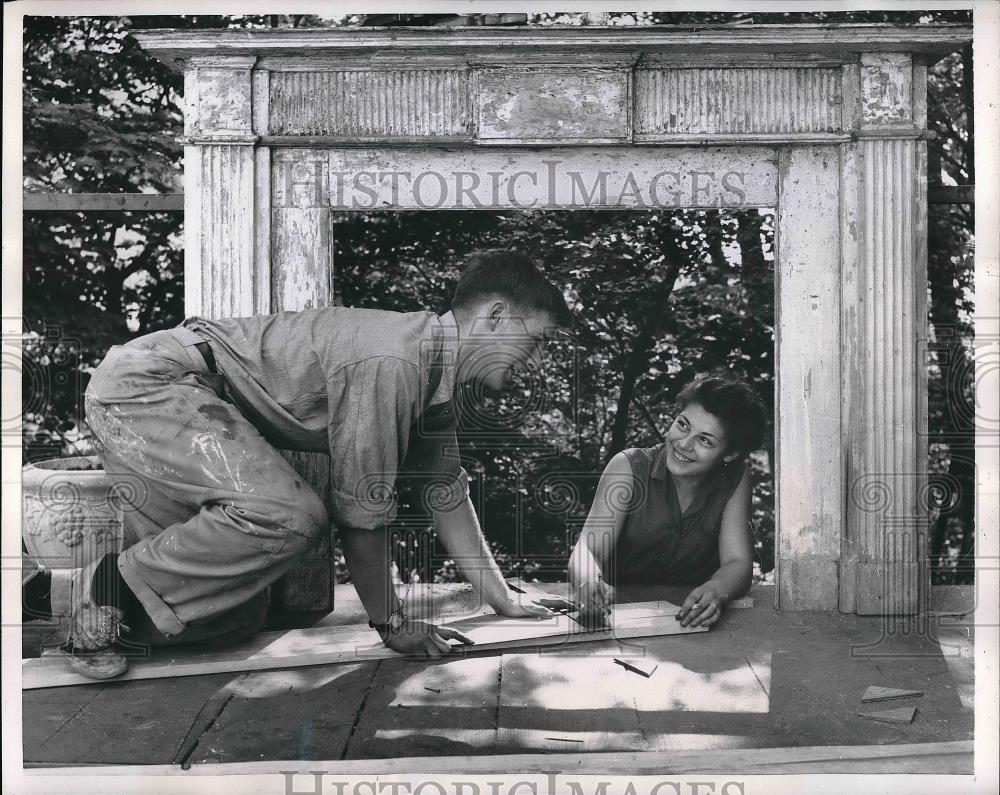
(515, 42)
(825, 123)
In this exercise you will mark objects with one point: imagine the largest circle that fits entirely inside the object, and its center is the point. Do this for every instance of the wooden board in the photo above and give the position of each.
(333, 645)
(91, 202)
(142, 722)
(290, 714)
(876, 693)
(901, 715)
(939, 758)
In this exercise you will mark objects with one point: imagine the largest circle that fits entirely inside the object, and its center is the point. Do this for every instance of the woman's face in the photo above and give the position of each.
(696, 443)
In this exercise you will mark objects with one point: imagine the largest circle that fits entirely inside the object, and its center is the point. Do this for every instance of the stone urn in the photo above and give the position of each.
(72, 512)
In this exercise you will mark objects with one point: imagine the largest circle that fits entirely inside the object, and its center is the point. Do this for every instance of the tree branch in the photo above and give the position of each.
(649, 418)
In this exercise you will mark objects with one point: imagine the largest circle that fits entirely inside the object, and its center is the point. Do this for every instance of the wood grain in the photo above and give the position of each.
(335, 645)
(938, 758)
(443, 708)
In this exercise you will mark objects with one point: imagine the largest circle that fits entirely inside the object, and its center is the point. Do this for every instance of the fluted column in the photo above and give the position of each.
(221, 266)
(885, 319)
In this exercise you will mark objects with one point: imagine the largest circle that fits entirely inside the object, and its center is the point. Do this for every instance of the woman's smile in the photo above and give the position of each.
(681, 457)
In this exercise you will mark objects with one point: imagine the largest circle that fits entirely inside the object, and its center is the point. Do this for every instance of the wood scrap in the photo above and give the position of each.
(352, 644)
(898, 715)
(876, 693)
(637, 667)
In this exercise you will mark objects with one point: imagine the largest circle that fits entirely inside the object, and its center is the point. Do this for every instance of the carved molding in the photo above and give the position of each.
(236, 100)
(555, 104)
(384, 103)
(678, 101)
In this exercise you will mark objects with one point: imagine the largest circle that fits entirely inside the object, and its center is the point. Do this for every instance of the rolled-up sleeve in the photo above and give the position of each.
(373, 405)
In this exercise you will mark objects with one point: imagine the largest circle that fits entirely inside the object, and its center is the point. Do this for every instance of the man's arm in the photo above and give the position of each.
(367, 556)
(459, 531)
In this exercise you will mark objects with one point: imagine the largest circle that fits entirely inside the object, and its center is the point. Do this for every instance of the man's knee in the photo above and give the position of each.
(308, 520)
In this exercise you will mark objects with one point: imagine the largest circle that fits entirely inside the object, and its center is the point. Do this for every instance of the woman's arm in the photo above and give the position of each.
(594, 551)
(704, 604)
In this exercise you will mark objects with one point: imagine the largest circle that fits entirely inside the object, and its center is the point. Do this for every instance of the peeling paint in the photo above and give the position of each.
(207, 446)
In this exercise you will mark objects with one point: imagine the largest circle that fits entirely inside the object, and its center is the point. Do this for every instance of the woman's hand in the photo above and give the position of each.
(423, 639)
(595, 598)
(702, 607)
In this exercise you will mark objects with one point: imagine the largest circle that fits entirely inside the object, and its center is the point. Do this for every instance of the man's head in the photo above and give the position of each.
(504, 308)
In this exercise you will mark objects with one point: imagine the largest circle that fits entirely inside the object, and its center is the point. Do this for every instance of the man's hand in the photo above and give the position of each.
(702, 607)
(422, 639)
(595, 598)
(512, 609)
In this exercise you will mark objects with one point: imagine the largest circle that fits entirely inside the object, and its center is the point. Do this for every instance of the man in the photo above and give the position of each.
(199, 412)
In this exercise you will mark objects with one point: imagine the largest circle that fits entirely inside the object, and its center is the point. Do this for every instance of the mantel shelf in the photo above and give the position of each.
(502, 43)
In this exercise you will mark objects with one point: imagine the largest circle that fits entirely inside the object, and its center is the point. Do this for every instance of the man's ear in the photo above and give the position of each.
(497, 313)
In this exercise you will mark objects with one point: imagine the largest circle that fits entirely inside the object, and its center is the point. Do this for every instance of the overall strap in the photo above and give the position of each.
(436, 369)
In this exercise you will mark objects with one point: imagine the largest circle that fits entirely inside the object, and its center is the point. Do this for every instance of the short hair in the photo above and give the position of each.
(736, 405)
(510, 275)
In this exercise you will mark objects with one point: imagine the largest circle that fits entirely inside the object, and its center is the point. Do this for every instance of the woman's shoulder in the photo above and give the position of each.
(642, 460)
(731, 476)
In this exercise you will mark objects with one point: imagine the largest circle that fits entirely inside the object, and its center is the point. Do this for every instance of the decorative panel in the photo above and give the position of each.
(217, 98)
(552, 103)
(400, 102)
(684, 101)
(886, 89)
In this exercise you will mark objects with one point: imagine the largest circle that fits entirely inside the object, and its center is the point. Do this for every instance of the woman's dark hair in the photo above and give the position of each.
(736, 405)
(510, 275)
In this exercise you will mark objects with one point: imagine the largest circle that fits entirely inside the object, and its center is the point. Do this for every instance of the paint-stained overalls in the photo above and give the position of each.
(218, 512)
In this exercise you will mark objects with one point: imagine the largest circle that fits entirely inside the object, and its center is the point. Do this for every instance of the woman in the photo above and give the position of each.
(677, 513)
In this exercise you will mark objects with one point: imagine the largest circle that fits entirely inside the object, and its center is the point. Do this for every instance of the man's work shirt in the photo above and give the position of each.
(359, 384)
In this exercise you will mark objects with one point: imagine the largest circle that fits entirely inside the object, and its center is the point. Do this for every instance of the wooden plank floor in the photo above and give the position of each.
(445, 708)
(758, 679)
(567, 701)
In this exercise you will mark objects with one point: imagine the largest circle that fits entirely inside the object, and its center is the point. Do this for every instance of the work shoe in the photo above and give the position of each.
(89, 649)
(93, 631)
